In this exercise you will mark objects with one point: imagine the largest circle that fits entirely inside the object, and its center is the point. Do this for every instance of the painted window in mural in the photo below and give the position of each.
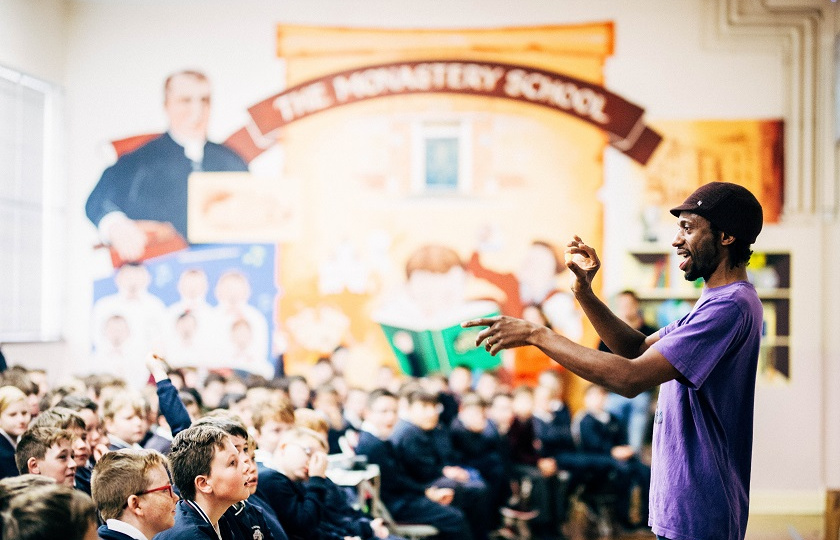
(442, 158)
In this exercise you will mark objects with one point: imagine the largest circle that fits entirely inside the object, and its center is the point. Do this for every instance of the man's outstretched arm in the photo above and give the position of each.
(635, 366)
(626, 376)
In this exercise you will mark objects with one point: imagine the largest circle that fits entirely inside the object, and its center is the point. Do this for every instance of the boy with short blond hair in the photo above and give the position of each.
(63, 418)
(124, 418)
(301, 509)
(133, 493)
(270, 421)
(49, 452)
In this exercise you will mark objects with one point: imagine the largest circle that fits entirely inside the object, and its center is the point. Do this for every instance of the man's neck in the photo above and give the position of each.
(184, 139)
(724, 275)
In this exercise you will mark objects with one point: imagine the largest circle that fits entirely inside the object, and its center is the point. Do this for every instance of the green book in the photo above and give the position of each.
(440, 344)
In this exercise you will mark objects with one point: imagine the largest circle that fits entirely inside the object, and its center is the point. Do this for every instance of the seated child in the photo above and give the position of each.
(49, 452)
(407, 500)
(14, 419)
(124, 416)
(270, 421)
(299, 508)
(530, 466)
(133, 493)
(600, 433)
(424, 449)
(249, 519)
(61, 418)
(307, 504)
(481, 447)
(211, 477)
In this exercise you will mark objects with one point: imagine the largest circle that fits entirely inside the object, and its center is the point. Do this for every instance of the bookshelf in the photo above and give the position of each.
(653, 272)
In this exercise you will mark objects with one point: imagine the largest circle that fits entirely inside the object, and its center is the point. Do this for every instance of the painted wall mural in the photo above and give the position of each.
(426, 177)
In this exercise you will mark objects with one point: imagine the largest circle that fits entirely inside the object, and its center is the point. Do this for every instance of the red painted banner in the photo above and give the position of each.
(592, 103)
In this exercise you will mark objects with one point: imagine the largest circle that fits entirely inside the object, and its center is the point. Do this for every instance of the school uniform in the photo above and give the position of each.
(8, 467)
(299, 509)
(191, 523)
(424, 454)
(404, 497)
(114, 529)
(83, 479)
(271, 521)
(486, 451)
(249, 522)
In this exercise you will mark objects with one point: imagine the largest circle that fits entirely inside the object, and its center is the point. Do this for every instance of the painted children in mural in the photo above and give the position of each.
(191, 322)
(421, 319)
(128, 324)
(147, 188)
(232, 293)
(532, 293)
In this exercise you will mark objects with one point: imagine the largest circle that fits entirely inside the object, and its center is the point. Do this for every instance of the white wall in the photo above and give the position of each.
(33, 37)
(112, 56)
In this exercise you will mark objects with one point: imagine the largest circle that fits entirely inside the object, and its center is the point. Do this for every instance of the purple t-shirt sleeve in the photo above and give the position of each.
(695, 349)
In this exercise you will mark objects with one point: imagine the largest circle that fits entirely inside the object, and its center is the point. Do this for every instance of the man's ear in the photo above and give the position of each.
(32, 465)
(726, 239)
(202, 485)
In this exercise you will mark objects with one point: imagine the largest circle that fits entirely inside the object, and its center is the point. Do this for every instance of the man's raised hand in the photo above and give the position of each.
(583, 262)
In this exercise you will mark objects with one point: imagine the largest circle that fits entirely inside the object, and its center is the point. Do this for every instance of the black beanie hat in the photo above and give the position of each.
(729, 207)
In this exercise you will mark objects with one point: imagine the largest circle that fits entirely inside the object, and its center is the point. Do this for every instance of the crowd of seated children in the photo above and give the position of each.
(447, 456)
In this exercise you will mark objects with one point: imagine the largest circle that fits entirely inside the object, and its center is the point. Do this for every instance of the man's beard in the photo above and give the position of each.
(703, 263)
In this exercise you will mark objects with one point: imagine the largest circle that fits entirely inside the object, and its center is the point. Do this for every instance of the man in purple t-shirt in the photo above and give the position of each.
(705, 362)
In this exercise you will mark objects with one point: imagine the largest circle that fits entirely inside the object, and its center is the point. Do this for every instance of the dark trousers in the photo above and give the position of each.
(473, 500)
(449, 521)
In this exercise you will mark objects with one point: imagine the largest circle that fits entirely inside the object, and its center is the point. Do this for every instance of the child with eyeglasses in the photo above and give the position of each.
(133, 494)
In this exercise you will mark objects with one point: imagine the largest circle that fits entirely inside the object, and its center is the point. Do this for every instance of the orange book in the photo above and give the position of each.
(161, 238)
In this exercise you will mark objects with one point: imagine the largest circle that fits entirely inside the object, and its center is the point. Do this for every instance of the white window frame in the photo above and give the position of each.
(25, 320)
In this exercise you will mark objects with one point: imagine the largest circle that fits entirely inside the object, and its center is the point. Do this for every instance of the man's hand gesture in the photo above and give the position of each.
(584, 264)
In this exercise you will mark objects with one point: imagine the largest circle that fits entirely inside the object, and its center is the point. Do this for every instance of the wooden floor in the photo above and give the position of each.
(761, 527)
(785, 527)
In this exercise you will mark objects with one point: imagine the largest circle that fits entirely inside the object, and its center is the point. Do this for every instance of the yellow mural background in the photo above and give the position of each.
(535, 173)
